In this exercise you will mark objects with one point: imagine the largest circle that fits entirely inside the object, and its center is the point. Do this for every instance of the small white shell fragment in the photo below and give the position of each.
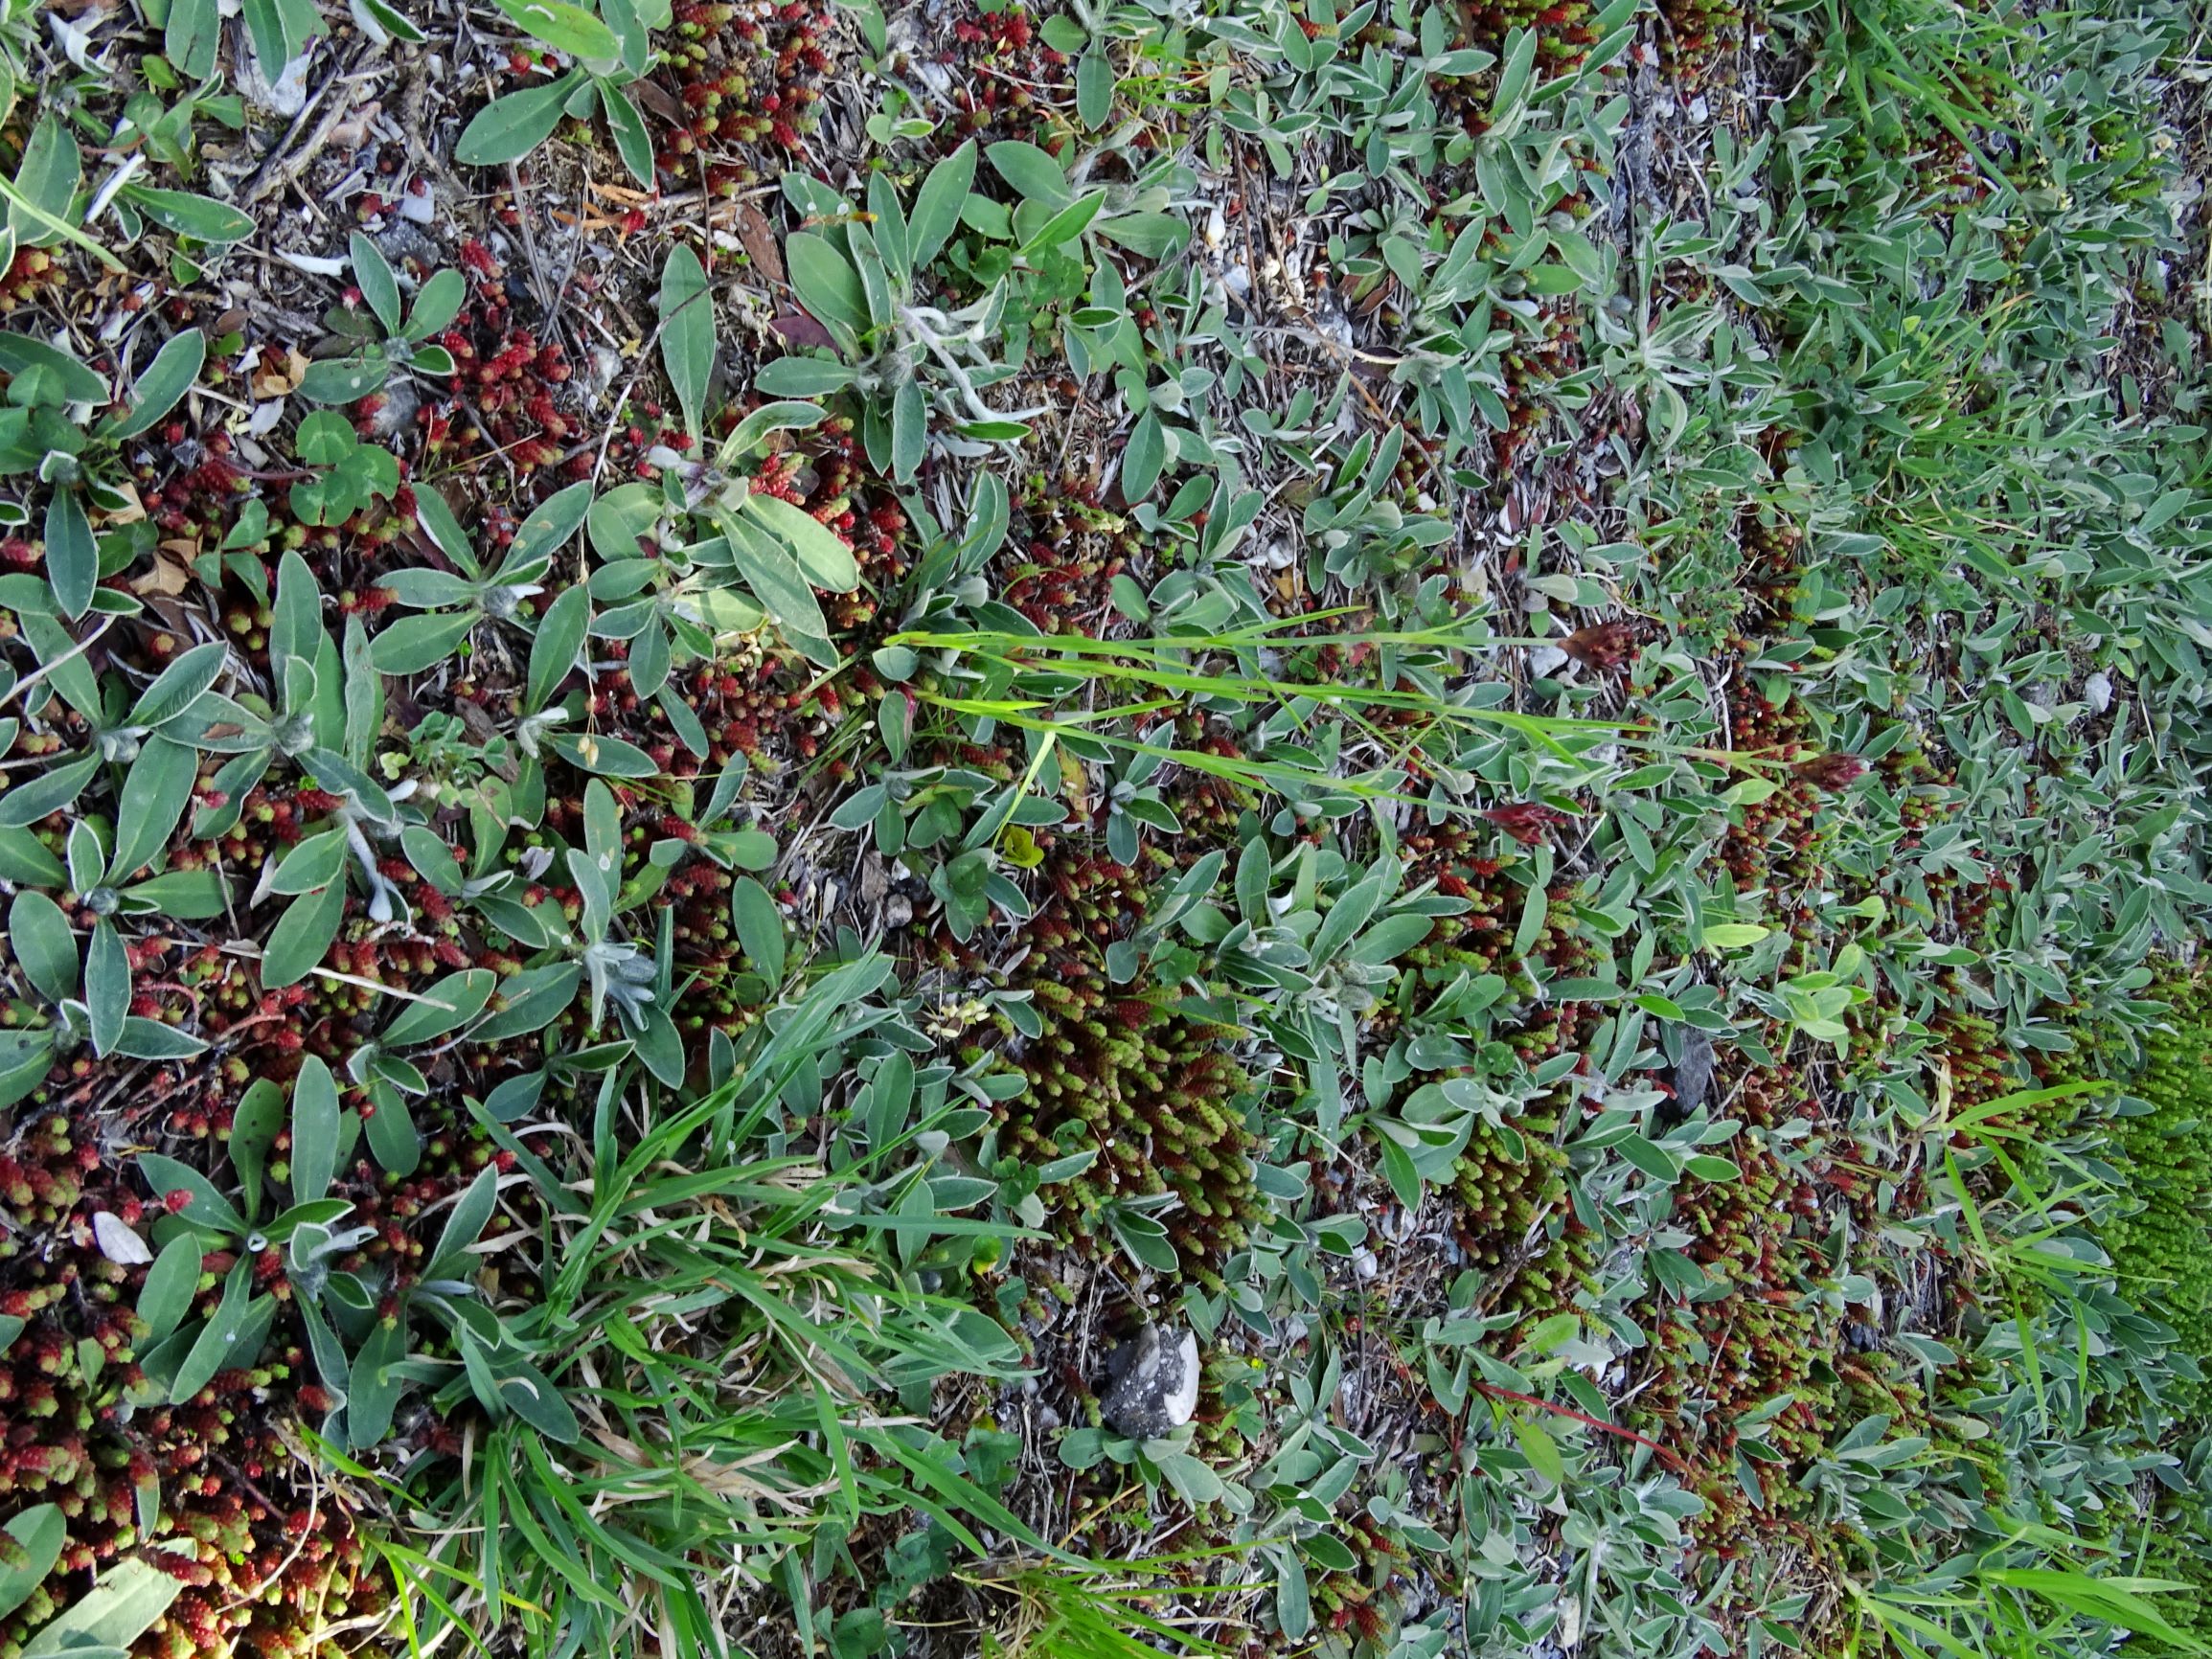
(1570, 1628)
(1183, 1402)
(117, 1242)
(284, 95)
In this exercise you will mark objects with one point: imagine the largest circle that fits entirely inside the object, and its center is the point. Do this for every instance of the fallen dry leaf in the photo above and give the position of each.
(657, 99)
(132, 509)
(801, 329)
(171, 571)
(275, 380)
(758, 237)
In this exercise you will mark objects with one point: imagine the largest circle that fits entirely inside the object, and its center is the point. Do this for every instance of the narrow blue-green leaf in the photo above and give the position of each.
(687, 341)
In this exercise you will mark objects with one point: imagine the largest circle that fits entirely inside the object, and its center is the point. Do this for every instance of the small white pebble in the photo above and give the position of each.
(117, 1242)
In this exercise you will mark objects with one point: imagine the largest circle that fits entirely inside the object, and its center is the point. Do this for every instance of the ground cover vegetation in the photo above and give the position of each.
(736, 737)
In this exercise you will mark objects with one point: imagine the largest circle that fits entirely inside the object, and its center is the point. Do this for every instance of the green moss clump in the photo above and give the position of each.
(2162, 1247)
(1155, 1090)
(2180, 1549)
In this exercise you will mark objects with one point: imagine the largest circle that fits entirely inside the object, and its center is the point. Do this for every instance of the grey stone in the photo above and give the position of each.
(1693, 1075)
(1153, 1383)
(402, 401)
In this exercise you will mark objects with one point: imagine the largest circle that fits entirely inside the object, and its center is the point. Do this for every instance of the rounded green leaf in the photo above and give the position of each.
(47, 179)
(45, 949)
(527, 1393)
(24, 1058)
(187, 894)
(38, 1532)
(375, 1389)
(222, 1342)
(550, 525)
(391, 1133)
(28, 861)
(380, 284)
(107, 986)
(509, 129)
(608, 757)
(937, 208)
(155, 792)
(823, 555)
(72, 554)
(417, 644)
(343, 379)
(1031, 170)
(566, 28)
(447, 1005)
(824, 281)
(200, 218)
(72, 381)
(120, 1609)
(204, 1206)
(177, 686)
(150, 1039)
(173, 372)
(760, 927)
(302, 935)
(49, 792)
(437, 303)
(560, 635)
(1142, 459)
(687, 340)
(167, 1295)
(802, 377)
(314, 1130)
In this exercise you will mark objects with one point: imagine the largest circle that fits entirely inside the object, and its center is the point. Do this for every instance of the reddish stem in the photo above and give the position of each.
(1670, 1458)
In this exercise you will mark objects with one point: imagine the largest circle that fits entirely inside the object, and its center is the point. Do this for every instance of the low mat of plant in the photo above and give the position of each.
(748, 748)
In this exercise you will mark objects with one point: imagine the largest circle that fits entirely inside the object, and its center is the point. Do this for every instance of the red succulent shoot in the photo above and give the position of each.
(1830, 772)
(1527, 822)
(1601, 646)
